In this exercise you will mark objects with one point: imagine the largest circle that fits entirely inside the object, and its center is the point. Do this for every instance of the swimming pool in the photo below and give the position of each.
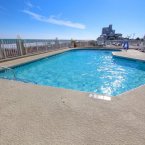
(84, 70)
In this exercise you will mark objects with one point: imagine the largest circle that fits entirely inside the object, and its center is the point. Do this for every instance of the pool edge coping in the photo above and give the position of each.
(128, 58)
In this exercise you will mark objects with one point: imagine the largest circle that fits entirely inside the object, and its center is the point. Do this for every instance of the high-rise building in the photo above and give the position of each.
(109, 34)
(108, 31)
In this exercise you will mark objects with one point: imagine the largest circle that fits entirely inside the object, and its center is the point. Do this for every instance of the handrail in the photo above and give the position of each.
(8, 68)
(14, 74)
(27, 81)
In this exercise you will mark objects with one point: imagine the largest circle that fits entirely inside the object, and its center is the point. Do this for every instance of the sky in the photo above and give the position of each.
(70, 19)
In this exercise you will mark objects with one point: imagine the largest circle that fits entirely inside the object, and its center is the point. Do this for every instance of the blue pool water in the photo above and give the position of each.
(84, 70)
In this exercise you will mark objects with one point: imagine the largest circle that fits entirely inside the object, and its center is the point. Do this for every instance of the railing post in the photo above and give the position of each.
(1, 54)
(144, 42)
(4, 51)
(46, 45)
(20, 45)
(37, 45)
(25, 46)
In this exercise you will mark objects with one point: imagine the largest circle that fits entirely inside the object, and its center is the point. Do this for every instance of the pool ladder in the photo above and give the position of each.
(14, 74)
(8, 69)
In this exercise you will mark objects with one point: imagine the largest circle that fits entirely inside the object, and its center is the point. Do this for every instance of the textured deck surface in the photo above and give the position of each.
(133, 54)
(37, 115)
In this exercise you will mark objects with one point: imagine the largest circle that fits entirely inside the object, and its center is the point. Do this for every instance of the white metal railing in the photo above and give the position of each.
(17, 47)
(10, 48)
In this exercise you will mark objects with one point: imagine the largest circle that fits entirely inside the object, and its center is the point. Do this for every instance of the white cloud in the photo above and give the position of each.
(29, 4)
(54, 20)
(34, 15)
(38, 7)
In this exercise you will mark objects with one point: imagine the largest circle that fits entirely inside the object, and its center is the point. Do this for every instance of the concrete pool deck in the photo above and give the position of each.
(131, 54)
(38, 115)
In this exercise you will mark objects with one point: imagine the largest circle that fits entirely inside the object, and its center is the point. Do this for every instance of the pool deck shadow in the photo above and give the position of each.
(37, 115)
